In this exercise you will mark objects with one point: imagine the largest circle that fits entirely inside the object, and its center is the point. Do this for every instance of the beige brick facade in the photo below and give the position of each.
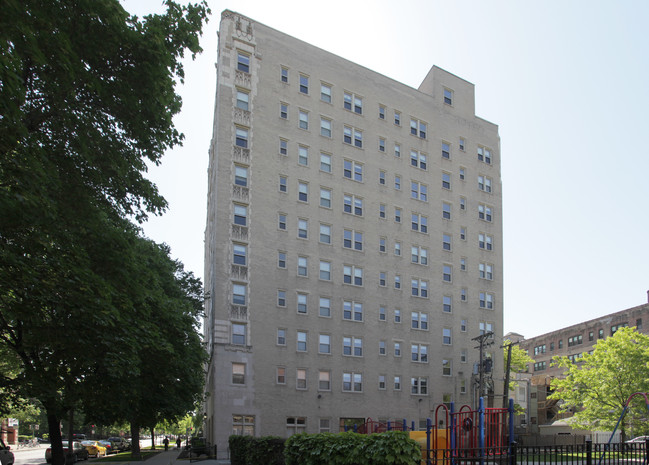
(354, 240)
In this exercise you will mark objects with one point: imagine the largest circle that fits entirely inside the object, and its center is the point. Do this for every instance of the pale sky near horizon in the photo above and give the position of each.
(566, 81)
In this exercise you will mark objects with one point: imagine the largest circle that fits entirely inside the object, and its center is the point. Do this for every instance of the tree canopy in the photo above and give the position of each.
(87, 97)
(596, 386)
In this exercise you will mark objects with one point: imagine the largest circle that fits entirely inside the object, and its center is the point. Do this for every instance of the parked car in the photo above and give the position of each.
(80, 452)
(120, 443)
(94, 448)
(638, 439)
(111, 446)
(6, 456)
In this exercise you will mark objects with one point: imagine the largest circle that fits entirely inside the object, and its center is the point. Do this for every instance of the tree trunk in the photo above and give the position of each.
(152, 439)
(71, 433)
(135, 442)
(54, 425)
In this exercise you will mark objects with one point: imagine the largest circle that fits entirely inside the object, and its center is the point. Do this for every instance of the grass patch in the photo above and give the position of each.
(128, 456)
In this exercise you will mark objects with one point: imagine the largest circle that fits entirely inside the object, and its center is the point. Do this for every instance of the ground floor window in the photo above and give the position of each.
(325, 425)
(348, 424)
(243, 425)
(295, 425)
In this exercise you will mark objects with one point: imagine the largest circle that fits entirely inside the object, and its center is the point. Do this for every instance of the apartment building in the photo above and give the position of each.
(353, 245)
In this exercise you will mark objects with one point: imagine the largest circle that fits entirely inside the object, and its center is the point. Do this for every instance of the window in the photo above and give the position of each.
(446, 150)
(281, 221)
(303, 155)
(397, 215)
(397, 316)
(397, 150)
(281, 259)
(600, 334)
(352, 382)
(325, 270)
(418, 191)
(243, 425)
(397, 281)
(281, 375)
(540, 366)
(463, 326)
(300, 378)
(484, 183)
(283, 147)
(325, 197)
(353, 275)
(303, 191)
(397, 118)
(463, 294)
(463, 264)
(238, 334)
(447, 273)
(418, 128)
(382, 382)
(446, 180)
(419, 255)
(353, 170)
(463, 233)
(462, 173)
(419, 288)
(239, 254)
(324, 346)
(302, 267)
(382, 348)
(301, 341)
(352, 346)
(281, 337)
(283, 110)
(419, 320)
(397, 248)
(381, 112)
(447, 303)
(485, 241)
(486, 300)
(446, 336)
(382, 177)
(397, 182)
(281, 298)
(304, 119)
(283, 183)
(325, 92)
(353, 103)
(419, 353)
(302, 303)
(241, 137)
(448, 97)
(462, 203)
(418, 159)
(446, 241)
(381, 144)
(382, 246)
(541, 349)
(419, 223)
(397, 383)
(325, 307)
(243, 99)
(463, 356)
(324, 384)
(304, 84)
(325, 127)
(419, 386)
(352, 239)
(382, 316)
(462, 144)
(575, 340)
(484, 155)
(239, 294)
(484, 212)
(561, 343)
(283, 74)
(486, 271)
(357, 135)
(325, 162)
(243, 62)
(325, 233)
(295, 425)
(302, 228)
(446, 368)
(238, 373)
(446, 211)
(382, 208)
(352, 205)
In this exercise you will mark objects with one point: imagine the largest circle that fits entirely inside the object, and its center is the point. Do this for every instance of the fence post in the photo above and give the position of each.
(589, 452)
(389, 425)
(413, 426)
(481, 429)
(429, 425)
(405, 425)
(451, 429)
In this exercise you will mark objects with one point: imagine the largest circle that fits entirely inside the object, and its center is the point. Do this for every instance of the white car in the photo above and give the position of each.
(638, 439)
(6, 456)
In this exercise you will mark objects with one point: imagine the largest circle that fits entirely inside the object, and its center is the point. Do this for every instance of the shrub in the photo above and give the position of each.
(249, 450)
(238, 449)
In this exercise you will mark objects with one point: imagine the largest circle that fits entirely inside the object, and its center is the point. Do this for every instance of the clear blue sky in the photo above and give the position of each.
(567, 82)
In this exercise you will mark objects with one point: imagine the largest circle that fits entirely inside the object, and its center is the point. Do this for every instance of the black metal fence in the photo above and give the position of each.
(203, 452)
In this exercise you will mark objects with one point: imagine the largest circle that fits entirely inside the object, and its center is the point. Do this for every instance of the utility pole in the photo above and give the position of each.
(507, 370)
(482, 341)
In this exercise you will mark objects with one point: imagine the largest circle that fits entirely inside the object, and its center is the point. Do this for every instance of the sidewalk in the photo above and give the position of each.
(171, 458)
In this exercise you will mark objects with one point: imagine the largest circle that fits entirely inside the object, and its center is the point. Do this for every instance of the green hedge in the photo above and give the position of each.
(249, 450)
(391, 448)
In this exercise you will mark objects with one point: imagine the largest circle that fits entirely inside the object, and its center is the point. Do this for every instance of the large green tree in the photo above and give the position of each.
(86, 99)
(597, 386)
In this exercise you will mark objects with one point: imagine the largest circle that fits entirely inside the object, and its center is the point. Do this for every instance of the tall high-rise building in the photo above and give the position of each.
(353, 248)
